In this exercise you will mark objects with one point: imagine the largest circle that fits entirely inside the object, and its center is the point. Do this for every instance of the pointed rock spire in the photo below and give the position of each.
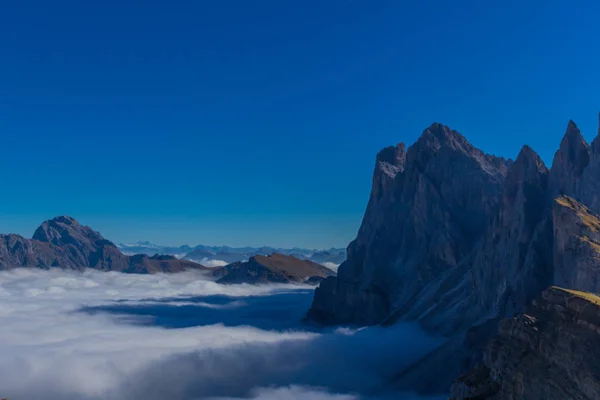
(530, 160)
(575, 148)
(529, 168)
(569, 161)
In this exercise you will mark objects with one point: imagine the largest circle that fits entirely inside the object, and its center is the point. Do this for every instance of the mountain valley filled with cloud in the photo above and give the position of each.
(107, 335)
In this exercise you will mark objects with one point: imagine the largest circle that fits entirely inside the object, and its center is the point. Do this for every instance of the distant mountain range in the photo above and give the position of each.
(64, 243)
(213, 256)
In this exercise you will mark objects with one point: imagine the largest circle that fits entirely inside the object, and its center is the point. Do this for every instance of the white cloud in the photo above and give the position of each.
(331, 266)
(208, 262)
(51, 350)
(293, 393)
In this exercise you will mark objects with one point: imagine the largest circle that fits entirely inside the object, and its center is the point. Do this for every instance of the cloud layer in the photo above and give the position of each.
(212, 263)
(331, 266)
(96, 335)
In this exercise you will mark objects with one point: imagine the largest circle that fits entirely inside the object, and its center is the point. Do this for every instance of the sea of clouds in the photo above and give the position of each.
(111, 336)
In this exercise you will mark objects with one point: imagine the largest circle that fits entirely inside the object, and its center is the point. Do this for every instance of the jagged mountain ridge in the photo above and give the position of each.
(229, 254)
(458, 239)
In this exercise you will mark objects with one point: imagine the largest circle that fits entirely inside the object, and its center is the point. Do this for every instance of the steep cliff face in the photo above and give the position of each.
(576, 246)
(512, 264)
(507, 267)
(462, 239)
(549, 352)
(454, 237)
(426, 212)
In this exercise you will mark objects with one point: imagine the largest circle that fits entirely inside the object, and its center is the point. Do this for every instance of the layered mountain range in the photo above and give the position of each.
(459, 239)
(226, 254)
(63, 242)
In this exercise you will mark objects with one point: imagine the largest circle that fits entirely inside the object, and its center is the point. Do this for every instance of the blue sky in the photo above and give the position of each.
(257, 122)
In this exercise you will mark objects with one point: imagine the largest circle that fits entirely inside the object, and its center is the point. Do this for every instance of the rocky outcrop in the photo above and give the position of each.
(64, 243)
(275, 268)
(550, 352)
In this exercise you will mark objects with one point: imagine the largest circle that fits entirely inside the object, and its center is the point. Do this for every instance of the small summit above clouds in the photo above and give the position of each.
(274, 268)
(65, 230)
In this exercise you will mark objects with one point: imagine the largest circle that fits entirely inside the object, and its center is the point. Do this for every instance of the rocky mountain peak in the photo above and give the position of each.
(275, 268)
(65, 230)
(439, 135)
(65, 219)
(527, 165)
(439, 140)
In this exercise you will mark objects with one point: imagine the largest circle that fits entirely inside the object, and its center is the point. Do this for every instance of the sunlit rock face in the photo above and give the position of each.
(549, 352)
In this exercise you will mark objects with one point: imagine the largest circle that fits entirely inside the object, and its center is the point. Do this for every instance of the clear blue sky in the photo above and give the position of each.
(257, 122)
